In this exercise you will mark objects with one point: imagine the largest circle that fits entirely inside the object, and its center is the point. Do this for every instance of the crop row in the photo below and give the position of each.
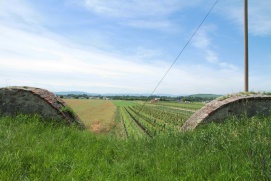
(173, 117)
(131, 128)
(190, 106)
(148, 121)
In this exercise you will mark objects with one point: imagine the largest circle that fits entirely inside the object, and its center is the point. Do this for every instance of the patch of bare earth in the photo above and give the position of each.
(98, 127)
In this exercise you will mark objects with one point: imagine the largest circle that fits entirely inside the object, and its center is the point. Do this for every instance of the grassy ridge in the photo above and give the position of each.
(35, 150)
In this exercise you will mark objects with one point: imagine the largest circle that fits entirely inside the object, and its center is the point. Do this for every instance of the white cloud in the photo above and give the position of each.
(16, 10)
(259, 15)
(35, 56)
(203, 42)
(134, 8)
(194, 79)
(142, 52)
(211, 56)
(156, 24)
(48, 60)
(148, 14)
(202, 39)
(49, 64)
(20, 14)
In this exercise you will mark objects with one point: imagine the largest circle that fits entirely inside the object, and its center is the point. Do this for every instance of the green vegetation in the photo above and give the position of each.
(118, 129)
(97, 115)
(67, 109)
(166, 98)
(238, 149)
(123, 103)
(183, 105)
(223, 97)
(267, 93)
(242, 94)
(207, 96)
(148, 120)
(200, 97)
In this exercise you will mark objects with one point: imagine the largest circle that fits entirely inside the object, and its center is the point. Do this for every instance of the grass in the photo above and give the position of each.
(123, 103)
(183, 105)
(67, 109)
(119, 128)
(33, 149)
(97, 115)
(242, 94)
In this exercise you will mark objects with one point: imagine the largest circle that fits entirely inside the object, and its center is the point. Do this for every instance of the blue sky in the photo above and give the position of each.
(122, 46)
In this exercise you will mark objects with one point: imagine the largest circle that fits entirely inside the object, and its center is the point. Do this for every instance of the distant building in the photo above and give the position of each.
(155, 100)
(105, 98)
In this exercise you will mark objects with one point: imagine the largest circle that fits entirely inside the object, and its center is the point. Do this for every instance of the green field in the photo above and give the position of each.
(193, 106)
(97, 115)
(140, 119)
(132, 119)
(34, 149)
(137, 143)
(123, 103)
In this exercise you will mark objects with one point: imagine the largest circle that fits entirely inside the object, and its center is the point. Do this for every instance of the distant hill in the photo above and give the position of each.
(205, 96)
(74, 92)
(112, 94)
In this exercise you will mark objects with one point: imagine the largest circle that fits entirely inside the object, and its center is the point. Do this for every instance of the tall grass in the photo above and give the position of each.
(31, 149)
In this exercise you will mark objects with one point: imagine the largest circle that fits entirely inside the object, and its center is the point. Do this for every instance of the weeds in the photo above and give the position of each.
(68, 110)
(236, 149)
(223, 97)
(242, 94)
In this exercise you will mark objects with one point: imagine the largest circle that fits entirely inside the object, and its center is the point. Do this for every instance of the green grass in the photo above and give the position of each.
(70, 111)
(123, 103)
(31, 149)
(183, 105)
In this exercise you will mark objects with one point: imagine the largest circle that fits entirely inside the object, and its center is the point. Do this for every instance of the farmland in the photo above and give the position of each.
(97, 115)
(134, 143)
(133, 119)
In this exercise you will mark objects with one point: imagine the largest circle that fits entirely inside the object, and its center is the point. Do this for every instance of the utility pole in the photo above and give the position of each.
(246, 44)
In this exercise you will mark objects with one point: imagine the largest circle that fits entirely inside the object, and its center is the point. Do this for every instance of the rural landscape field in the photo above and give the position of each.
(132, 118)
(123, 140)
(137, 90)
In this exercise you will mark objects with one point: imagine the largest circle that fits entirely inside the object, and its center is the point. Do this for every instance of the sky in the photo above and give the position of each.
(127, 46)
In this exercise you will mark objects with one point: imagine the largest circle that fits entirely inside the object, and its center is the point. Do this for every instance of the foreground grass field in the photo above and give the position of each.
(32, 149)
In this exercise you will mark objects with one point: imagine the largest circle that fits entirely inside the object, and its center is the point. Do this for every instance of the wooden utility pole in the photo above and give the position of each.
(246, 44)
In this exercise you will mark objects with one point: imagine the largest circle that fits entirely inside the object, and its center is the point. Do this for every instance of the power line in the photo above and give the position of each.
(181, 52)
(179, 55)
